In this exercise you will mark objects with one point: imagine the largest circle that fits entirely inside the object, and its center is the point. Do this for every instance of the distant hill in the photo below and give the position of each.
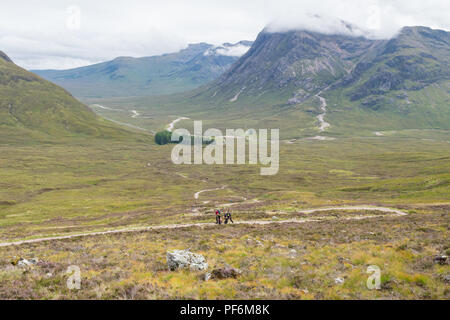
(169, 73)
(33, 107)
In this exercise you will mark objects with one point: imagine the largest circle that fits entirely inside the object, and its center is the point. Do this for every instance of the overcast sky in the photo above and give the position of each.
(62, 34)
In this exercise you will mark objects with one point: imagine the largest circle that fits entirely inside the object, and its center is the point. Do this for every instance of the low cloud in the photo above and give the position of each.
(230, 50)
(318, 23)
(70, 33)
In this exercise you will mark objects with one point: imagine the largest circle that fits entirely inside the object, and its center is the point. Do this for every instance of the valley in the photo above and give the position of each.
(90, 187)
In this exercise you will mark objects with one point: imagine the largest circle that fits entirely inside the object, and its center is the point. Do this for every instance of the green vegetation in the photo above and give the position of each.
(163, 137)
(65, 171)
(290, 261)
(80, 185)
(34, 109)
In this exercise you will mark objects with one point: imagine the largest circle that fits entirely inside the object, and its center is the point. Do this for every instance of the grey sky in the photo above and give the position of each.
(63, 34)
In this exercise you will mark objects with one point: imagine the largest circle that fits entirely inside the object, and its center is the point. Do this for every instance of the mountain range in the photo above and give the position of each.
(187, 69)
(306, 62)
(286, 77)
(301, 81)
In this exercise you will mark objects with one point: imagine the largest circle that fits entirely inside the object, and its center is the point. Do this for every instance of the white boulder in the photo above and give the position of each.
(181, 259)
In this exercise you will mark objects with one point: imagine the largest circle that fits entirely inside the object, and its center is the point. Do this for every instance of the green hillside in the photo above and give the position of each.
(33, 108)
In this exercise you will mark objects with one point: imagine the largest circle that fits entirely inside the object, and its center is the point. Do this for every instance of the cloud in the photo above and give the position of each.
(379, 19)
(230, 50)
(233, 51)
(70, 33)
(318, 23)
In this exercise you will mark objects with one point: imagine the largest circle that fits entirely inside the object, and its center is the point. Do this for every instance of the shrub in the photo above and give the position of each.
(163, 137)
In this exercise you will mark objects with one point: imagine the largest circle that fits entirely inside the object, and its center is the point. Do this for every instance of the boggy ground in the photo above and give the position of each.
(65, 187)
(285, 261)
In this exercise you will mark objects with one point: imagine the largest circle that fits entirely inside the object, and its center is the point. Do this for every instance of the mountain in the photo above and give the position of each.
(293, 60)
(296, 79)
(32, 106)
(187, 69)
(418, 57)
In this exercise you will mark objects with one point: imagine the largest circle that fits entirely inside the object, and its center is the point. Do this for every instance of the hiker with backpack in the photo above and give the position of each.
(228, 217)
(218, 217)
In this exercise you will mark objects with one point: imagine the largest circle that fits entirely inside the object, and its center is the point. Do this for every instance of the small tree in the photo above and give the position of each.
(163, 137)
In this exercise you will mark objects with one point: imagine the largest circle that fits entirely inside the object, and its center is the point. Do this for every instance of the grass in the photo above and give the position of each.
(133, 266)
(58, 186)
(48, 189)
(32, 109)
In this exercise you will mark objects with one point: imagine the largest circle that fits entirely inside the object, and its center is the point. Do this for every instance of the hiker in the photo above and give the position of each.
(218, 219)
(228, 217)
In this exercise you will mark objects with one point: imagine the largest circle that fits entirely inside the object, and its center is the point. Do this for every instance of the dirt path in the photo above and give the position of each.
(171, 125)
(197, 195)
(135, 114)
(323, 125)
(106, 108)
(389, 213)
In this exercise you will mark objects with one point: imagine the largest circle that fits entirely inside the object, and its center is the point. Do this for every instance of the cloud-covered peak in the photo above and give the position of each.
(230, 50)
(321, 24)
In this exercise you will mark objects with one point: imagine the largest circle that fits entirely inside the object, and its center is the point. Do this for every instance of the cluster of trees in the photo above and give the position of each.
(163, 137)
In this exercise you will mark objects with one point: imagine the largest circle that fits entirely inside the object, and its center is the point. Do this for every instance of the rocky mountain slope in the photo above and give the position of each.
(418, 57)
(294, 60)
(169, 73)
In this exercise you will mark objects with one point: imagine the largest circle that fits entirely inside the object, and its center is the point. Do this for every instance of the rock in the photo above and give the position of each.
(24, 262)
(442, 260)
(225, 273)
(181, 259)
(447, 278)
(275, 218)
(293, 253)
(339, 280)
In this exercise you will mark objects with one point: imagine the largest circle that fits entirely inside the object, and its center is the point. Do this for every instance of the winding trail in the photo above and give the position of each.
(323, 125)
(389, 213)
(197, 195)
(106, 108)
(135, 114)
(171, 125)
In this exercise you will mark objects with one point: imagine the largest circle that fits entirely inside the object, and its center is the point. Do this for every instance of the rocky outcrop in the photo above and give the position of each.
(20, 262)
(184, 259)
